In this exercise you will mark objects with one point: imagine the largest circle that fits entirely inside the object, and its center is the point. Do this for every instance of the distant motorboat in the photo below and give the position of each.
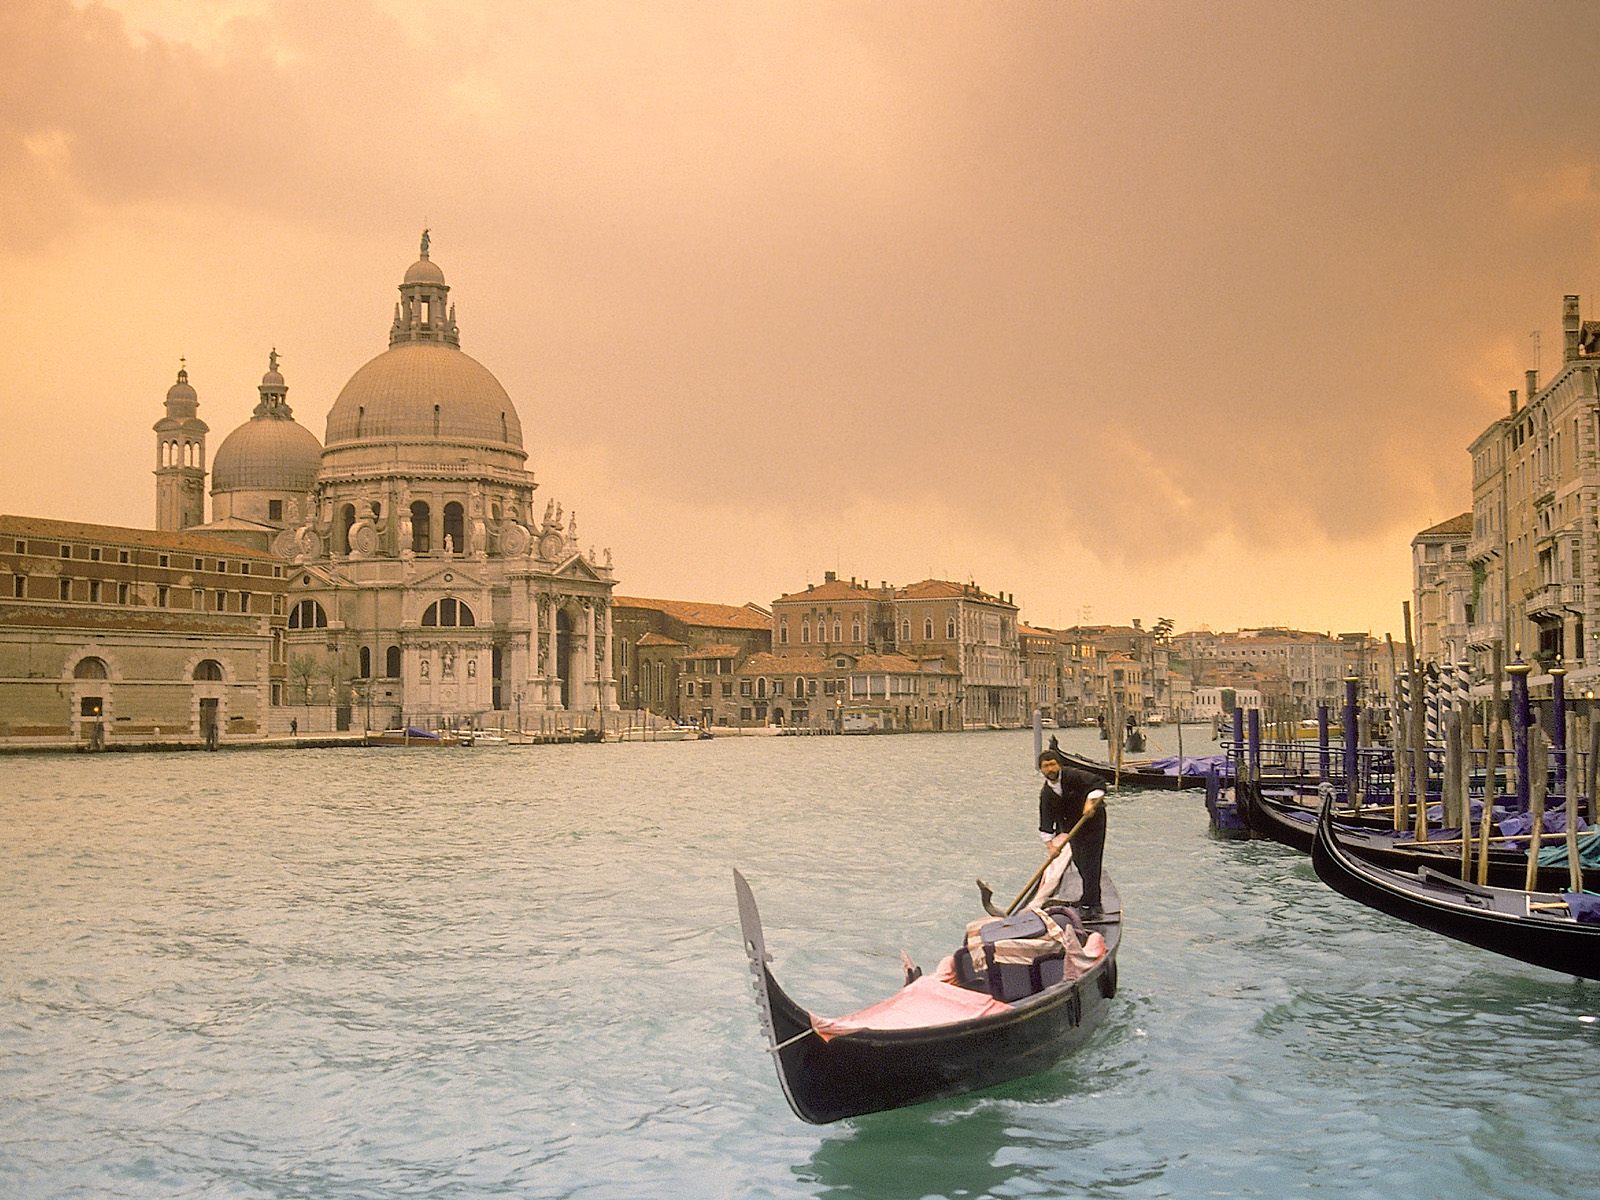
(411, 735)
(667, 733)
(484, 738)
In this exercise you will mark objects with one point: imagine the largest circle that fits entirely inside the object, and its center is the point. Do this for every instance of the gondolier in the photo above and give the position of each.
(1068, 796)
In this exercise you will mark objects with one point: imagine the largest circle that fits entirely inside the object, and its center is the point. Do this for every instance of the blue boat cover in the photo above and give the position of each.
(1194, 765)
(1584, 906)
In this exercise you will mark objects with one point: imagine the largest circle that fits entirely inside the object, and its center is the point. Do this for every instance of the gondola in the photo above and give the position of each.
(869, 1070)
(1141, 773)
(1533, 927)
(1296, 826)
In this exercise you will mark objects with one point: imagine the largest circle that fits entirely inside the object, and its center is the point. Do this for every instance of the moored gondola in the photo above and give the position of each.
(1295, 825)
(830, 1070)
(1141, 773)
(1541, 928)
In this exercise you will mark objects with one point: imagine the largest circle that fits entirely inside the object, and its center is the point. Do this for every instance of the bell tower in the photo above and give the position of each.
(180, 459)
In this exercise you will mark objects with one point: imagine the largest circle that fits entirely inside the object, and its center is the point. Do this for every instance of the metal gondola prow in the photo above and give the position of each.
(755, 948)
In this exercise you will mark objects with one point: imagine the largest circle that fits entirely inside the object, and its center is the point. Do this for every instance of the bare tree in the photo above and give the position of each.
(302, 670)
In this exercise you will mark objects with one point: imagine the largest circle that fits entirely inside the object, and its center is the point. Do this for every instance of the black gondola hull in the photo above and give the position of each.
(1500, 920)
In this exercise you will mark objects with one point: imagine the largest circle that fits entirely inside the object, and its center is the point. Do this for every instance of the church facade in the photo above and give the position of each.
(425, 584)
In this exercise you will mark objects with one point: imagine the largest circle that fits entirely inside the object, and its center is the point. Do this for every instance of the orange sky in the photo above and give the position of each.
(1128, 309)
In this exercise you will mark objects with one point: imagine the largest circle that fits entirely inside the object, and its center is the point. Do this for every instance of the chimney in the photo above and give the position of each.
(830, 577)
(1570, 327)
(1513, 402)
(1531, 380)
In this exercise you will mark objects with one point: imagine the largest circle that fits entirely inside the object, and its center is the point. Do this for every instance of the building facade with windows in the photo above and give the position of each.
(837, 692)
(655, 638)
(1442, 608)
(124, 636)
(974, 634)
(1533, 552)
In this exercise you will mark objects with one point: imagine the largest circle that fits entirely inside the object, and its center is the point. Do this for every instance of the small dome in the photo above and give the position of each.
(268, 454)
(181, 390)
(424, 271)
(272, 380)
(428, 391)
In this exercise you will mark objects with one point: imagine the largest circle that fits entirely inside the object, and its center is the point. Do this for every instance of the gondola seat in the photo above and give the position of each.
(1015, 957)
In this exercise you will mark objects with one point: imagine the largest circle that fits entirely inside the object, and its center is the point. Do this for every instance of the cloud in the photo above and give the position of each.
(1138, 285)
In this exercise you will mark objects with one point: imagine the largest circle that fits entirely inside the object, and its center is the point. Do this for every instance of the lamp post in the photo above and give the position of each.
(518, 697)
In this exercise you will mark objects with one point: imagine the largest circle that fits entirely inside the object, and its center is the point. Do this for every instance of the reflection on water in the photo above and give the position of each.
(382, 973)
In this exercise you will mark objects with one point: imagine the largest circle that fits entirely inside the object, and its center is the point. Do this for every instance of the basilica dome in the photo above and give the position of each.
(424, 391)
(271, 451)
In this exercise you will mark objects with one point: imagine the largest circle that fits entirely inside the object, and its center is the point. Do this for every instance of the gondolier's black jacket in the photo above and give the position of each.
(1057, 814)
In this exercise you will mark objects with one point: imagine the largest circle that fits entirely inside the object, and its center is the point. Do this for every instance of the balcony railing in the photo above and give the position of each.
(1481, 635)
(1547, 600)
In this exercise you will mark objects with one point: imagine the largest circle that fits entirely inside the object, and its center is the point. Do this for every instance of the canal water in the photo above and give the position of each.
(517, 972)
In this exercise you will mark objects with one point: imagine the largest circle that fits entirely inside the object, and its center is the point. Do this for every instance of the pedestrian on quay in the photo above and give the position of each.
(1068, 797)
(294, 727)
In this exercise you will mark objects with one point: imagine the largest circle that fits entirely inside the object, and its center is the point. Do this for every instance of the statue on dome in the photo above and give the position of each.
(272, 359)
(424, 243)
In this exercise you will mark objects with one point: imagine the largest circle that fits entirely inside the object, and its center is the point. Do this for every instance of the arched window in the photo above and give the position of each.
(950, 629)
(455, 526)
(91, 668)
(838, 634)
(799, 687)
(421, 530)
(448, 612)
(761, 687)
(208, 669)
(391, 662)
(308, 614)
(927, 629)
(783, 631)
(364, 671)
(805, 631)
(905, 631)
(347, 518)
(855, 630)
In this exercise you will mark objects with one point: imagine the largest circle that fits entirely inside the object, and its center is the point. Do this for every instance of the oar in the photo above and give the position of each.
(1028, 887)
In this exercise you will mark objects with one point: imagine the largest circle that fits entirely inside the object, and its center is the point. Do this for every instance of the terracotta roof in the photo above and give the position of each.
(43, 527)
(897, 664)
(714, 652)
(657, 639)
(1454, 527)
(697, 612)
(838, 589)
(765, 663)
(943, 589)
